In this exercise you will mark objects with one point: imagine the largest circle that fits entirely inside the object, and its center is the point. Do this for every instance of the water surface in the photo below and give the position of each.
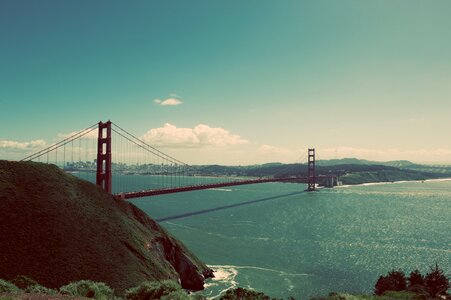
(278, 239)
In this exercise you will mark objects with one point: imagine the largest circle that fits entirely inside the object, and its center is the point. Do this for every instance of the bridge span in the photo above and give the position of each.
(149, 161)
(326, 181)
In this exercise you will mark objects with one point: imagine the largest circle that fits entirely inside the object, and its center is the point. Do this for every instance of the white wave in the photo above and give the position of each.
(438, 179)
(225, 277)
(259, 268)
(393, 182)
(219, 189)
(376, 183)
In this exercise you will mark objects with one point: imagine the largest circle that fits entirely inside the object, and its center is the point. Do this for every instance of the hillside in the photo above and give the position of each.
(350, 171)
(56, 229)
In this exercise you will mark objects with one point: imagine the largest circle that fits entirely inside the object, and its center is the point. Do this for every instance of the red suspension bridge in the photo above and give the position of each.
(92, 150)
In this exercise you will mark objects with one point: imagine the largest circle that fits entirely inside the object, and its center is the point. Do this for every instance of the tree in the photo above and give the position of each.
(381, 286)
(436, 282)
(415, 278)
(394, 281)
(416, 281)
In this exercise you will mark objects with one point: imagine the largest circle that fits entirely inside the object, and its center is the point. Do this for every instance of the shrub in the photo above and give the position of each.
(394, 281)
(8, 287)
(416, 283)
(22, 282)
(176, 295)
(197, 296)
(403, 295)
(240, 293)
(152, 290)
(416, 279)
(436, 282)
(88, 289)
(39, 289)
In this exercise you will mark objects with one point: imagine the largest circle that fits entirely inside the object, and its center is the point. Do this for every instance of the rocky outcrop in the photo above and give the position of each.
(191, 277)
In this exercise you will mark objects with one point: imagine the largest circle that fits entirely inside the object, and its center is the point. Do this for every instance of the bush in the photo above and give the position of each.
(240, 293)
(197, 296)
(394, 281)
(8, 287)
(22, 282)
(39, 289)
(88, 289)
(152, 290)
(403, 295)
(436, 282)
(176, 295)
(416, 279)
(416, 283)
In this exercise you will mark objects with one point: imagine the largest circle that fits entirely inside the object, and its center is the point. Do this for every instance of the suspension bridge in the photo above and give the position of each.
(141, 170)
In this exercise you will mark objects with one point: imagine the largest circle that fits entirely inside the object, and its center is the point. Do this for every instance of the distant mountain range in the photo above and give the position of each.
(349, 170)
(356, 161)
(401, 164)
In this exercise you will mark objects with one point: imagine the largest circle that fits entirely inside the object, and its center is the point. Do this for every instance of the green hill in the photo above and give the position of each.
(56, 229)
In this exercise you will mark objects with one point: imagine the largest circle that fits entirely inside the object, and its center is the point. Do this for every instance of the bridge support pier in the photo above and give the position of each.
(103, 176)
(311, 170)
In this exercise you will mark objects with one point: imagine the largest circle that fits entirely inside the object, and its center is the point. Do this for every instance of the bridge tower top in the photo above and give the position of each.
(103, 176)
(311, 170)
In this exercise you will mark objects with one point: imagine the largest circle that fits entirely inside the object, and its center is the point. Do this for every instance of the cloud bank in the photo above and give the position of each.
(170, 136)
(13, 145)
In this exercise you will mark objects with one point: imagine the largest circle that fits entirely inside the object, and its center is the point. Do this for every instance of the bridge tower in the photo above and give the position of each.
(311, 170)
(103, 176)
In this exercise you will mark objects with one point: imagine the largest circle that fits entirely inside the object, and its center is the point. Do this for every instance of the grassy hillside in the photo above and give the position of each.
(56, 229)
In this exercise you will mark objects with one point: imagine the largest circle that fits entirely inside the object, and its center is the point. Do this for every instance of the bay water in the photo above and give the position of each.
(280, 240)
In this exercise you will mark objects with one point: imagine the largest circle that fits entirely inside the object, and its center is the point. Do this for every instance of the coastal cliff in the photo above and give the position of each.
(56, 228)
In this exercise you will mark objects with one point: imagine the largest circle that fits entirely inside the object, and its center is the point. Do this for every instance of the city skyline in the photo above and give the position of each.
(231, 82)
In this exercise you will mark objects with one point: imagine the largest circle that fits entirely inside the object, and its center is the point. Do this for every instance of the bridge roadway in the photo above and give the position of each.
(171, 190)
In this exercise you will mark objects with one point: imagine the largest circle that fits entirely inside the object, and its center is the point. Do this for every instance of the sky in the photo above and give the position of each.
(231, 82)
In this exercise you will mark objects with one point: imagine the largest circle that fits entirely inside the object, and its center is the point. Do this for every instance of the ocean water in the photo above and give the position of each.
(280, 240)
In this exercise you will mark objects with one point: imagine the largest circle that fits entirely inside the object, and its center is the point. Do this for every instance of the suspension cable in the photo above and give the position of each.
(60, 143)
(159, 153)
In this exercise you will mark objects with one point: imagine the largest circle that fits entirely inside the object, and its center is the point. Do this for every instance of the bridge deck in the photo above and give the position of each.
(156, 192)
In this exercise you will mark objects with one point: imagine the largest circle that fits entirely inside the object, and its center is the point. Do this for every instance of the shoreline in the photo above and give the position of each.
(394, 182)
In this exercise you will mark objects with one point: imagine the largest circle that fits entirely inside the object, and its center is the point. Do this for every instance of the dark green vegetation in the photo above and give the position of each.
(240, 293)
(394, 285)
(432, 285)
(86, 289)
(349, 170)
(56, 229)
(165, 290)
(386, 296)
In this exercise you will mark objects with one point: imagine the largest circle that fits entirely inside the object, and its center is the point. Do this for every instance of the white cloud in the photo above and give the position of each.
(168, 102)
(170, 136)
(13, 145)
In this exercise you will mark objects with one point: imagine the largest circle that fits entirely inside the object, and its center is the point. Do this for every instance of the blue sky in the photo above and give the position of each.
(266, 79)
